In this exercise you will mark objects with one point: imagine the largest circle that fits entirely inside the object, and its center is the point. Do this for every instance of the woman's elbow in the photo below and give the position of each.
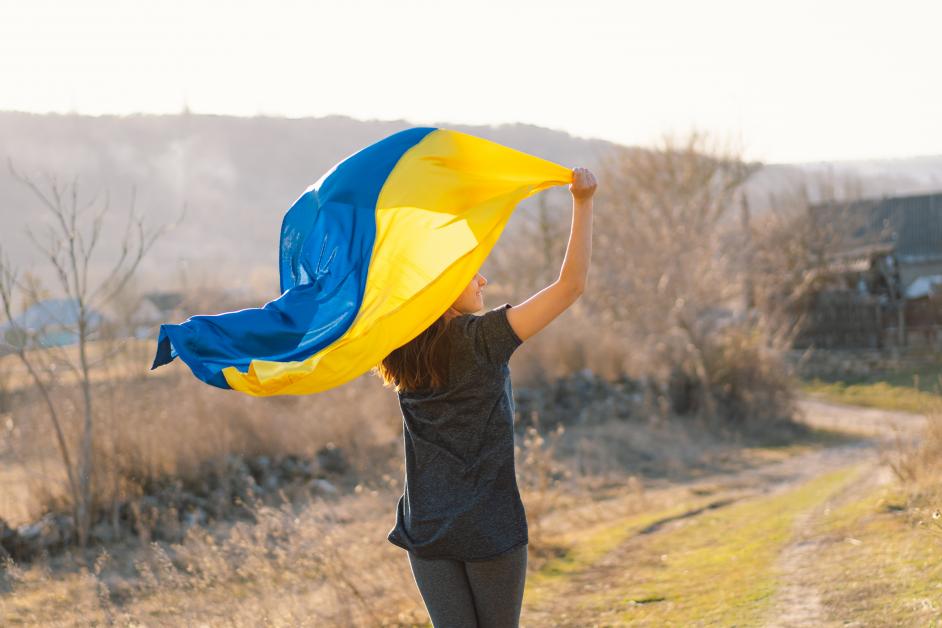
(576, 288)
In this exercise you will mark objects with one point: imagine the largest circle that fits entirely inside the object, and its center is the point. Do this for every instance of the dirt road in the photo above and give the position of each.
(655, 573)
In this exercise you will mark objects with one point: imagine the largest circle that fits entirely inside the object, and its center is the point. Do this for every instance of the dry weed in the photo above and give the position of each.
(917, 464)
(541, 476)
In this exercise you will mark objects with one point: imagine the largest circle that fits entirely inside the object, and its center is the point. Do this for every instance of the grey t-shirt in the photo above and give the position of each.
(461, 499)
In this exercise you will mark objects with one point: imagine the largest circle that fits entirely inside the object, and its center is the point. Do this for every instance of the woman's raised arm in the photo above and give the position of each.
(536, 312)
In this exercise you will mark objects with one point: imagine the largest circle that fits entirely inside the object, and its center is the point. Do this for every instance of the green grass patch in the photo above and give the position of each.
(718, 567)
(875, 395)
(881, 568)
(594, 544)
(909, 389)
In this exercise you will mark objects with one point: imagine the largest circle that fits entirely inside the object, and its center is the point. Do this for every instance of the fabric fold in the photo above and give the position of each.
(369, 256)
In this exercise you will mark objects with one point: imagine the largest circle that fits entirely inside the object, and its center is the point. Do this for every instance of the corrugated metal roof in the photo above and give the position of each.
(912, 223)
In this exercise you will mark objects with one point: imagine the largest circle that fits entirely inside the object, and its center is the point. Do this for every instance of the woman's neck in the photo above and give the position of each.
(451, 313)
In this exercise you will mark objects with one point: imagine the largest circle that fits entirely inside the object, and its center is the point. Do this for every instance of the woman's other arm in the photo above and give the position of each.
(536, 312)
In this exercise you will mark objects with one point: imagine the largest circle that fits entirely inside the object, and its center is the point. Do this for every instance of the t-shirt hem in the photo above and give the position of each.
(524, 541)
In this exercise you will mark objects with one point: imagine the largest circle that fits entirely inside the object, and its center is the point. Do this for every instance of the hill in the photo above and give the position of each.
(237, 176)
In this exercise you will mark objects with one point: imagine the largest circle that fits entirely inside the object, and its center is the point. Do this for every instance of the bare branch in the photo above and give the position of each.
(7, 281)
(28, 182)
(53, 254)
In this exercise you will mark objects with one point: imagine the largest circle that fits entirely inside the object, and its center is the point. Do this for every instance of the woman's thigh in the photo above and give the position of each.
(446, 591)
(497, 588)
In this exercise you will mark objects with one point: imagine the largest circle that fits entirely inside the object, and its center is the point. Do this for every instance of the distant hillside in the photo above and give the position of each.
(875, 178)
(237, 176)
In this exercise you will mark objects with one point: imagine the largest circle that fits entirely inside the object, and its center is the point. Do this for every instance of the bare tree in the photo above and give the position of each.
(72, 234)
(531, 257)
(662, 274)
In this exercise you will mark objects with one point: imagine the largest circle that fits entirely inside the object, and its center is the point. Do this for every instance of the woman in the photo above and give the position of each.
(460, 516)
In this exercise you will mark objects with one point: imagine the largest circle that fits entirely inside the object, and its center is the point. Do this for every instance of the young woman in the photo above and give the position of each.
(460, 517)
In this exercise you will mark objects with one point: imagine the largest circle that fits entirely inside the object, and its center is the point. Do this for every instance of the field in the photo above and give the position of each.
(811, 533)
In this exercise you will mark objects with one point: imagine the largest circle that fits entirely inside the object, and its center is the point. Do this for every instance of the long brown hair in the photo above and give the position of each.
(420, 363)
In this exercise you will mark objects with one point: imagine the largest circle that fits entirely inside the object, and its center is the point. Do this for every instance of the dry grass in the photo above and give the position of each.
(917, 461)
(326, 562)
(318, 565)
(575, 341)
(111, 360)
(153, 424)
(875, 564)
(169, 425)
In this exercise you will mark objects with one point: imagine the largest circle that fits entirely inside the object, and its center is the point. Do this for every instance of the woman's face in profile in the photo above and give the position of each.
(472, 298)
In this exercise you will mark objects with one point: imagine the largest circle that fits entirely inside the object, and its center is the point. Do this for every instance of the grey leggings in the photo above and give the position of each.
(477, 594)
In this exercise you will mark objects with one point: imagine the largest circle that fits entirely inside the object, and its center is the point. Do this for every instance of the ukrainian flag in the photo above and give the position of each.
(370, 256)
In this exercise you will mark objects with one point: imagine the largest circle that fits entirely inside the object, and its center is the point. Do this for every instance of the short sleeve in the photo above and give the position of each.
(492, 337)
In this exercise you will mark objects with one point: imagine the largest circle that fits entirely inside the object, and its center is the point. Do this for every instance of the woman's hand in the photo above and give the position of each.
(583, 184)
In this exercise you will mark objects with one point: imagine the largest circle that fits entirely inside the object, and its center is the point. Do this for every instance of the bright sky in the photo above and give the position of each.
(796, 80)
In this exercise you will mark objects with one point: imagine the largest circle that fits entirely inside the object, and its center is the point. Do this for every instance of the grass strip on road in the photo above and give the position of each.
(585, 547)
(713, 568)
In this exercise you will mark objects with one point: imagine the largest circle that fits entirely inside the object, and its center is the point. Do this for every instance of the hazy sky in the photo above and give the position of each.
(791, 81)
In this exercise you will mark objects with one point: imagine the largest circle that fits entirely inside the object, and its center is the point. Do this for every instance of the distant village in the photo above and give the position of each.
(882, 286)
(54, 322)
